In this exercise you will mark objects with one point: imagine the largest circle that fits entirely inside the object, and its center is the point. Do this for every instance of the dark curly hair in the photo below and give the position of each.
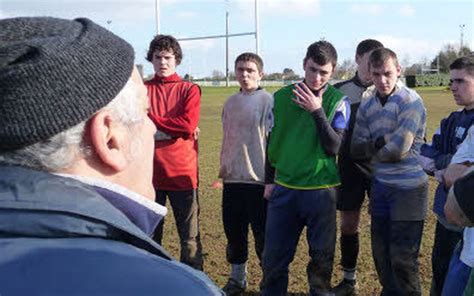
(165, 42)
(321, 52)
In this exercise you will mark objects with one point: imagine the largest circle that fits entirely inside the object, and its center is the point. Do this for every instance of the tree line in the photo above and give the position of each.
(347, 68)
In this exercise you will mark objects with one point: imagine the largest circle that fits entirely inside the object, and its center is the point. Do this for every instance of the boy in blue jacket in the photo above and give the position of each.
(436, 156)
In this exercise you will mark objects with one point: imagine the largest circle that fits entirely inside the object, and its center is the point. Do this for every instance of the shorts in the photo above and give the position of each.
(355, 184)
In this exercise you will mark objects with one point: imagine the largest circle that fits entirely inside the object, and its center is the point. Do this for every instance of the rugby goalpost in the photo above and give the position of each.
(227, 35)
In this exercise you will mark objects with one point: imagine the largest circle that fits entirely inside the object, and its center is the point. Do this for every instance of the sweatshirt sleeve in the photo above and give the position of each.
(434, 151)
(331, 138)
(332, 134)
(186, 123)
(399, 142)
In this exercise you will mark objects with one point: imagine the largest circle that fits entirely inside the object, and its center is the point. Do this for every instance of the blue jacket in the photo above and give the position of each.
(59, 236)
(451, 133)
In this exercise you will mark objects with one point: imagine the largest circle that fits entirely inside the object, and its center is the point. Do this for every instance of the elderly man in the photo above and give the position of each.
(76, 157)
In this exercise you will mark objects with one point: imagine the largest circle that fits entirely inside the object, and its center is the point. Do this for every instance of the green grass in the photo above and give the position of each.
(439, 103)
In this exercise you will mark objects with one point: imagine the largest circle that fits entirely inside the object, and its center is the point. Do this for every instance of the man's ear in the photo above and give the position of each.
(109, 141)
(357, 59)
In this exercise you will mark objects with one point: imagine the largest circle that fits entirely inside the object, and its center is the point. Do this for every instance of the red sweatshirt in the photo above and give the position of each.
(175, 106)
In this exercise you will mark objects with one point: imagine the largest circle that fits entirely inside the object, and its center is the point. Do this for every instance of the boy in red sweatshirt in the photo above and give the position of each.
(174, 108)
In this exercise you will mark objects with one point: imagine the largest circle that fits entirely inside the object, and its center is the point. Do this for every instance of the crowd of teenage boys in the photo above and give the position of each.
(288, 161)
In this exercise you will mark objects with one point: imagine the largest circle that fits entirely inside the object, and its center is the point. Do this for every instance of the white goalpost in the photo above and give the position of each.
(227, 35)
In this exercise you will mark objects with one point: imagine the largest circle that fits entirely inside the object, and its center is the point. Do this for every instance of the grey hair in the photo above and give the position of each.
(62, 150)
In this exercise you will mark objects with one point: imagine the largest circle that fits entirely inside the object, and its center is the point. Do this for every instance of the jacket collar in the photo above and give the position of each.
(50, 206)
(386, 98)
(144, 213)
(252, 92)
(356, 80)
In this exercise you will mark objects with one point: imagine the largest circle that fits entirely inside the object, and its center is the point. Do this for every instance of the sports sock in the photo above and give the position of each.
(349, 253)
(349, 275)
(239, 273)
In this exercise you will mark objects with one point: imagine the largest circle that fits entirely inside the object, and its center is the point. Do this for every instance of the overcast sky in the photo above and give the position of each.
(416, 30)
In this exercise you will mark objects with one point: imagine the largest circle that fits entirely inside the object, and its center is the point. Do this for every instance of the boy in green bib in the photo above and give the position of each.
(301, 175)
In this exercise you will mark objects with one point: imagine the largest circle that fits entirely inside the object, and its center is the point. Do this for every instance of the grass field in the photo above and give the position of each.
(438, 102)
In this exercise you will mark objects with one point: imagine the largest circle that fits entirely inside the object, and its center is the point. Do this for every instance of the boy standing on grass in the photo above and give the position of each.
(355, 175)
(437, 156)
(174, 108)
(246, 121)
(390, 127)
(309, 123)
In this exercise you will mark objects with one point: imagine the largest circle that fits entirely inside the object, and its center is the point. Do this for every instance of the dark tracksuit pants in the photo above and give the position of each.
(243, 204)
(289, 211)
(396, 230)
(185, 205)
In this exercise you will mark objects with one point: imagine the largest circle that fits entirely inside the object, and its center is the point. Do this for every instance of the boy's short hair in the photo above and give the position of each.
(321, 52)
(250, 57)
(466, 62)
(380, 55)
(165, 42)
(367, 45)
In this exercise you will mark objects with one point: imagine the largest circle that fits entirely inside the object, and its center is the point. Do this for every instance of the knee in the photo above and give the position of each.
(274, 259)
(273, 270)
(350, 222)
(404, 259)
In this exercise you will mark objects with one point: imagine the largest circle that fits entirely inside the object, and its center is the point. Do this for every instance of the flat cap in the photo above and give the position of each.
(54, 74)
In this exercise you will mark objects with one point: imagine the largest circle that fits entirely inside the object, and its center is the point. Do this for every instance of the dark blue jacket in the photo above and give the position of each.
(59, 236)
(451, 133)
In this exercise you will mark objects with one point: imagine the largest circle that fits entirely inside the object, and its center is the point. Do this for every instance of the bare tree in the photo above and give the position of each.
(345, 70)
(289, 74)
(447, 55)
(217, 75)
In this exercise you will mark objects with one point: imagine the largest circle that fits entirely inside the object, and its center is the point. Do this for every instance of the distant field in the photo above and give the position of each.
(438, 102)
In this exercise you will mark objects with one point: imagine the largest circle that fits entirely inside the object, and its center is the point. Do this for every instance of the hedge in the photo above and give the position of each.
(427, 80)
